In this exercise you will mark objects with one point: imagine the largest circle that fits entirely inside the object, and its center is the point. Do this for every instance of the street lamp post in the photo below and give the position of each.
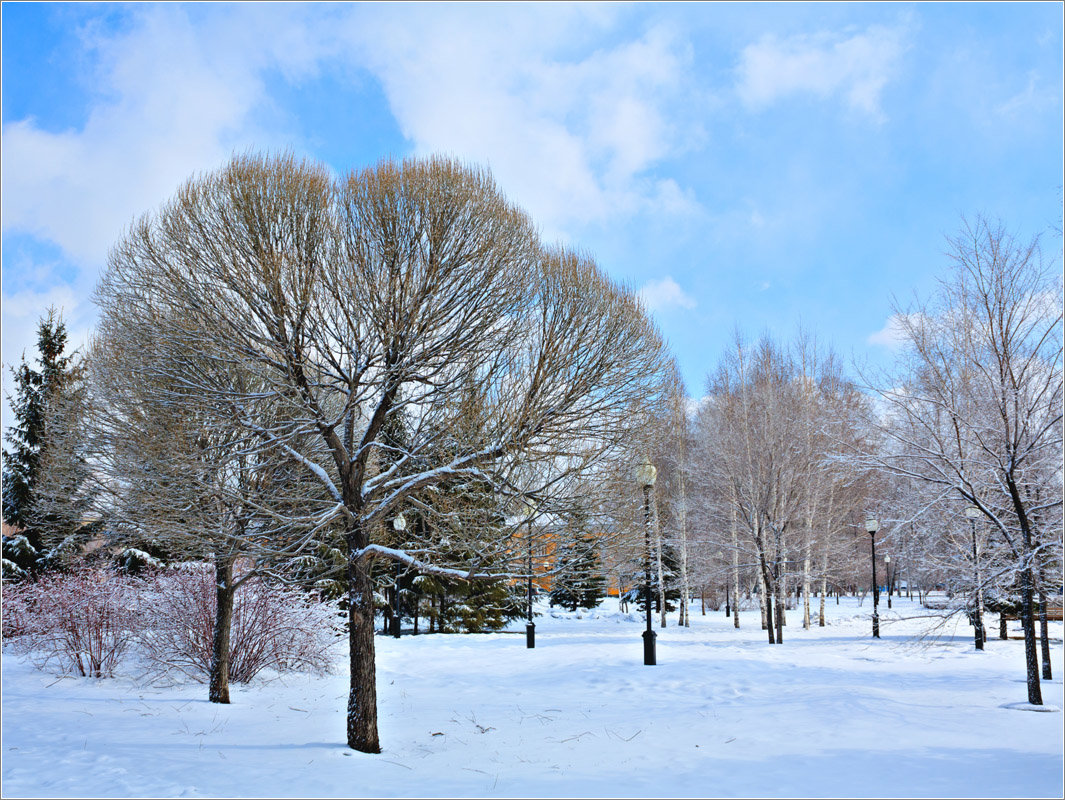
(400, 525)
(873, 525)
(645, 476)
(530, 626)
(980, 635)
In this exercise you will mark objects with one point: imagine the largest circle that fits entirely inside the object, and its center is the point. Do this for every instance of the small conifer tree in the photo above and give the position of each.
(37, 393)
(580, 582)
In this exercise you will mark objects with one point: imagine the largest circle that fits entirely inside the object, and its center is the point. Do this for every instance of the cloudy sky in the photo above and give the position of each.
(739, 165)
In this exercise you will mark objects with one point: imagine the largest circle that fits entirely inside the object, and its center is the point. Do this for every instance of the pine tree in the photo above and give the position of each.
(36, 391)
(580, 582)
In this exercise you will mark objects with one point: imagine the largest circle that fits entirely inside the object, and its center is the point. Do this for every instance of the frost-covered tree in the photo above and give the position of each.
(409, 288)
(975, 413)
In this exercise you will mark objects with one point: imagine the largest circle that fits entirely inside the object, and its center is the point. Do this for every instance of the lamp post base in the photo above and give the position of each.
(530, 635)
(876, 626)
(649, 648)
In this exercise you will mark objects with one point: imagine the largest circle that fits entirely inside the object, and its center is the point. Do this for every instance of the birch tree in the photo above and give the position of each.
(975, 412)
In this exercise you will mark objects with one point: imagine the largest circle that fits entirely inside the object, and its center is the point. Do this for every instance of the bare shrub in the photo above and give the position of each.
(273, 626)
(82, 622)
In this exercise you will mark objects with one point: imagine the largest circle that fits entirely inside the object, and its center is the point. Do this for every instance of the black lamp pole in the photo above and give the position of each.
(649, 634)
(873, 526)
(530, 626)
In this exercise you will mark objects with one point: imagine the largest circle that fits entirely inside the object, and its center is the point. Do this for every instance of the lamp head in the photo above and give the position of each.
(972, 512)
(872, 524)
(399, 523)
(646, 473)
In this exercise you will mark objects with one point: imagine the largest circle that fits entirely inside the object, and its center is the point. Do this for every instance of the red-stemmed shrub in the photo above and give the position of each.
(82, 622)
(273, 626)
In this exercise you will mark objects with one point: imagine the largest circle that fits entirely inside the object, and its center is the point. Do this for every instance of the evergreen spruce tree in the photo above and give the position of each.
(579, 582)
(36, 392)
(670, 570)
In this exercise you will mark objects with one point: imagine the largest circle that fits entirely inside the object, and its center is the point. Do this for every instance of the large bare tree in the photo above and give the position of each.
(412, 288)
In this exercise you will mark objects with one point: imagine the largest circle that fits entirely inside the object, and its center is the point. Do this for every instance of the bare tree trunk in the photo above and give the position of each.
(763, 591)
(780, 603)
(218, 691)
(362, 694)
(735, 577)
(735, 587)
(824, 586)
(806, 588)
(658, 561)
(1035, 695)
(767, 596)
(781, 584)
(685, 591)
(1044, 634)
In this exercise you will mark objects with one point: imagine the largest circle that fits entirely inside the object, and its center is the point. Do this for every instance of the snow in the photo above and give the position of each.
(830, 712)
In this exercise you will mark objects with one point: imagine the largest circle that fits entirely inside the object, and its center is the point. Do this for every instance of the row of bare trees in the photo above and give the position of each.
(956, 449)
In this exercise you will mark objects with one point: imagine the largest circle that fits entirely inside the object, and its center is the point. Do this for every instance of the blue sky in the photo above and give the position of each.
(740, 165)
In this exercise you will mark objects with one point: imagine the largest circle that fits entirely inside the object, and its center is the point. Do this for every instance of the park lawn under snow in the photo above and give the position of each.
(828, 713)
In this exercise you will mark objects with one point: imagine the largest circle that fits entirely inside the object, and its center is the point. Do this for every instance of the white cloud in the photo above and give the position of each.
(856, 67)
(1035, 98)
(174, 98)
(893, 334)
(570, 138)
(665, 294)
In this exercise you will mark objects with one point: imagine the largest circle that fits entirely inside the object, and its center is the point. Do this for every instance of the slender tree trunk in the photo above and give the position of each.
(762, 591)
(821, 603)
(1044, 634)
(824, 586)
(780, 604)
(218, 691)
(658, 562)
(735, 588)
(806, 588)
(362, 694)
(735, 576)
(768, 595)
(685, 590)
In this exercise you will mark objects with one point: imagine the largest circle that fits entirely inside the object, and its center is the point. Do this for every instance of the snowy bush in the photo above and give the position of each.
(82, 623)
(20, 558)
(133, 561)
(273, 626)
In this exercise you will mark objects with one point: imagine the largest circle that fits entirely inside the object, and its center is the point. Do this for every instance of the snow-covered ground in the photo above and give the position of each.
(828, 713)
